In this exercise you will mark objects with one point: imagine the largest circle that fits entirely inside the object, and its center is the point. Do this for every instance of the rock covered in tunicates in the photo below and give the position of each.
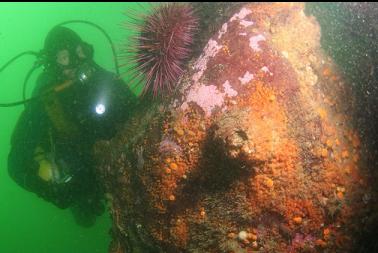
(257, 139)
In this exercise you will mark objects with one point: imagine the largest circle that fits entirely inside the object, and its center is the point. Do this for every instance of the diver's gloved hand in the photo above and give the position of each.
(49, 170)
(51, 180)
(45, 170)
(45, 167)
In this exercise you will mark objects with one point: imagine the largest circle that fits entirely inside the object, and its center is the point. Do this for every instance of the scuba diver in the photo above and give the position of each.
(74, 104)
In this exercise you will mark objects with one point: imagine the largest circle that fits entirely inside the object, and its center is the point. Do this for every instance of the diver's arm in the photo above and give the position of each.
(24, 169)
(31, 132)
(21, 166)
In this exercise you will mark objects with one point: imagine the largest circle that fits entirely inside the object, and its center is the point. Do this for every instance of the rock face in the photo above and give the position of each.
(256, 151)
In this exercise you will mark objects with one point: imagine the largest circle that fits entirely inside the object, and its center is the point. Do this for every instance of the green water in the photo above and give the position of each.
(28, 224)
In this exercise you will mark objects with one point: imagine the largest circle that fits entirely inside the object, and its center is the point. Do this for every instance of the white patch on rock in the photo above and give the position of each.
(254, 42)
(229, 90)
(242, 14)
(243, 235)
(205, 96)
(285, 54)
(243, 34)
(246, 23)
(246, 78)
(266, 70)
(211, 49)
(222, 31)
(208, 97)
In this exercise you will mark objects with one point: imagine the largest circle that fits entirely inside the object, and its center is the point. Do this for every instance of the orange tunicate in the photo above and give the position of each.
(191, 133)
(340, 195)
(335, 78)
(320, 243)
(337, 158)
(326, 232)
(167, 170)
(173, 166)
(329, 143)
(226, 50)
(172, 197)
(345, 154)
(322, 113)
(269, 182)
(324, 152)
(272, 98)
(231, 235)
(252, 237)
(202, 212)
(297, 220)
(340, 189)
(179, 131)
(326, 72)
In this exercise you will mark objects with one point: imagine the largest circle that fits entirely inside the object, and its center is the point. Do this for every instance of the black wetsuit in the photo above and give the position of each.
(66, 123)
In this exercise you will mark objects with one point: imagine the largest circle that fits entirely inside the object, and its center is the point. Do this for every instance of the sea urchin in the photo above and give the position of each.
(161, 46)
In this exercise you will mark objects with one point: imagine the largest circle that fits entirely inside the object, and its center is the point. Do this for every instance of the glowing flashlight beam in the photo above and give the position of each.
(100, 109)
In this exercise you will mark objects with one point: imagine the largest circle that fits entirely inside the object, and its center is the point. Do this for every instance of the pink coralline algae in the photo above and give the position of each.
(254, 42)
(211, 49)
(246, 78)
(229, 90)
(222, 31)
(208, 97)
(265, 69)
(205, 96)
(246, 23)
(242, 14)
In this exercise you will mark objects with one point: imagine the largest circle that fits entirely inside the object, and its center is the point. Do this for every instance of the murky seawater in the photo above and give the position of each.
(256, 130)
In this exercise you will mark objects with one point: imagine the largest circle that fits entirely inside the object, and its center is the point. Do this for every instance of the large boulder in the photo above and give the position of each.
(255, 151)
